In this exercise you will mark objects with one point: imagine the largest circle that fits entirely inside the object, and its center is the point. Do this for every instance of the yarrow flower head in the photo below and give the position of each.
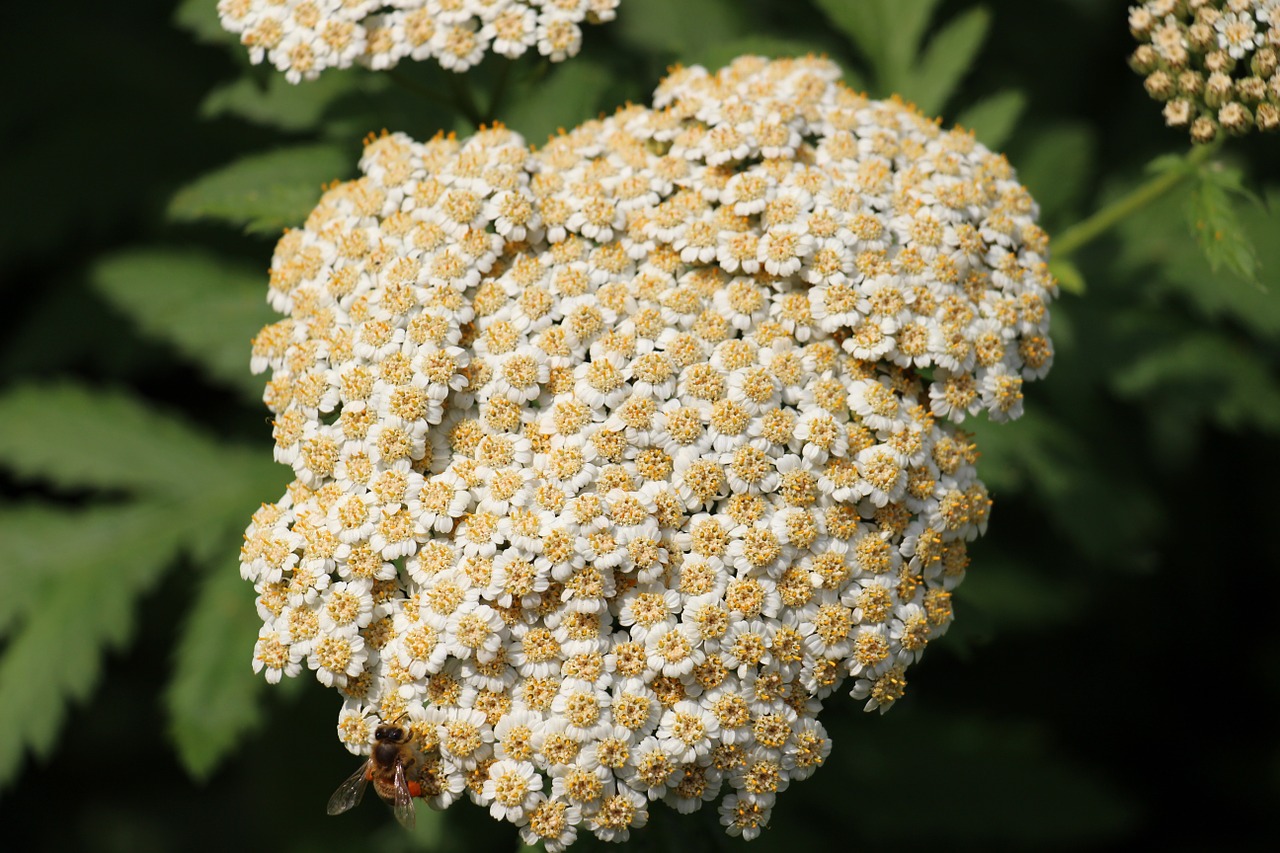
(304, 37)
(1214, 63)
(615, 459)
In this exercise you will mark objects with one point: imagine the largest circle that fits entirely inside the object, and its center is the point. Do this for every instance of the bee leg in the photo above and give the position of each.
(415, 790)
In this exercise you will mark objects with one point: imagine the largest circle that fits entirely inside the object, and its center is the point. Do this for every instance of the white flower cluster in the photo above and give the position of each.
(304, 37)
(1215, 63)
(614, 460)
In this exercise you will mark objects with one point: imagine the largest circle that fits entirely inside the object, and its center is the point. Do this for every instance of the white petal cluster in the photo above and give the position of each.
(304, 37)
(614, 460)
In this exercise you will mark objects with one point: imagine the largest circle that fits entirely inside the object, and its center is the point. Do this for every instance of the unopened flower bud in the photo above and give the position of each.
(1267, 117)
(1140, 22)
(1205, 13)
(1219, 61)
(1160, 86)
(1235, 118)
(1218, 89)
(1251, 90)
(1191, 84)
(1265, 62)
(1178, 112)
(1144, 60)
(1204, 130)
(1201, 37)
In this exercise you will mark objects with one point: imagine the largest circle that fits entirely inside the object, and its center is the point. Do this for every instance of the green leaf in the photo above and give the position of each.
(946, 59)
(1034, 453)
(1229, 381)
(44, 543)
(562, 100)
(1057, 165)
(206, 307)
(1156, 253)
(903, 28)
(679, 27)
(1211, 212)
(81, 438)
(1013, 595)
(887, 32)
(200, 18)
(263, 192)
(213, 699)
(890, 33)
(861, 23)
(993, 118)
(1068, 275)
(429, 832)
(281, 104)
(1057, 465)
(55, 656)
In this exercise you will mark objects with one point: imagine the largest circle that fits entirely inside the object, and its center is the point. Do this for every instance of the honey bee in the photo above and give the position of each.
(387, 768)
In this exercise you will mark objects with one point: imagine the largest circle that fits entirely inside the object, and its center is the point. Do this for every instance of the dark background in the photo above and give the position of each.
(1111, 679)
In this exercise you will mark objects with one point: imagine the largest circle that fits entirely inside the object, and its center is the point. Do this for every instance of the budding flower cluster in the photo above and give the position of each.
(304, 37)
(615, 459)
(1214, 63)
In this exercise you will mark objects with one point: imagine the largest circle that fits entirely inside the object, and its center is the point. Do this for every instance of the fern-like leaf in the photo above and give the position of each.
(212, 699)
(75, 437)
(206, 307)
(263, 192)
(53, 657)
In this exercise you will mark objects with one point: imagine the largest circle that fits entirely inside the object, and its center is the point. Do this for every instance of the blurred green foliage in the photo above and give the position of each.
(1109, 680)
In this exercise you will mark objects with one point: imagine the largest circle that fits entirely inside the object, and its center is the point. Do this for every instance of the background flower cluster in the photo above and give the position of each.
(1215, 63)
(304, 37)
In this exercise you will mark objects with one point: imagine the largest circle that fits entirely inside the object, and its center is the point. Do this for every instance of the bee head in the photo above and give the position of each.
(390, 733)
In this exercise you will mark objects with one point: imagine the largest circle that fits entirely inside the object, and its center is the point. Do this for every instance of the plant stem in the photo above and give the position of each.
(1102, 221)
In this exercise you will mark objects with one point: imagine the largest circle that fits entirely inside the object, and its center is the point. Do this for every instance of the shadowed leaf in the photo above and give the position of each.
(679, 27)
(993, 118)
(77, 437)
(571, 93)
(1056, 166)
(263, 192)
(946, 60)
(1212, 215)
(1235, 386)
(279, 103)
(55, 654)
(200, 18)
(206, 307)
(887, 32)
(212, 699)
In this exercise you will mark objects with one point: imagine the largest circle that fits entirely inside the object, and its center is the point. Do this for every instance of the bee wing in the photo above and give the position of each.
(350, 792)
(403, 808)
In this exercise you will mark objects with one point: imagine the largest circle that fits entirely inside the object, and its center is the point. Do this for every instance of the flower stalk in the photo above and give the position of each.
(1103, 220)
